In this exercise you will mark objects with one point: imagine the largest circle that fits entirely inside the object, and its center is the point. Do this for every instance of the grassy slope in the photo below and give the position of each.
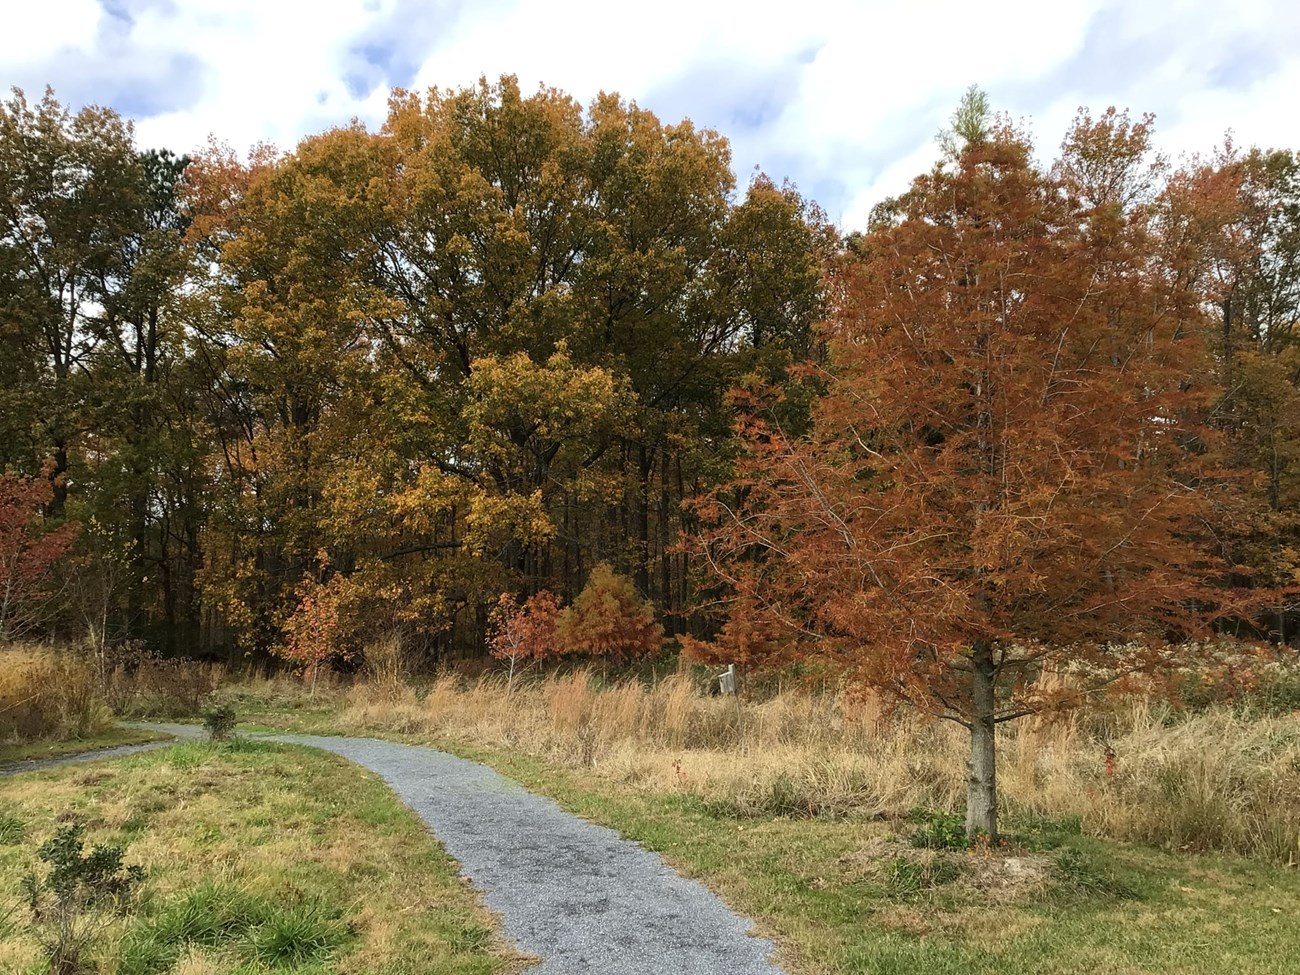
(71, 746)
(1122, 909)
(261, 858)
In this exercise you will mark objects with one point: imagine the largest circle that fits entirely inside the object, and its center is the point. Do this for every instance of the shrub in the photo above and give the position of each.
(70, 903)
(141, 683)
(522, 632)
(938, 830)
(220, 722)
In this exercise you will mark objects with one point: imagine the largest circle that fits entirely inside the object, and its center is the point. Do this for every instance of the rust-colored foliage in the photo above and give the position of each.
(312, 633)
(524, 631)
(609, 619)
(1008, 463)
(28, 551)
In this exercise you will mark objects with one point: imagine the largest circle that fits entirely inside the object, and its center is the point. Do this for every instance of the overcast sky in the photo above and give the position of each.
(842, 96)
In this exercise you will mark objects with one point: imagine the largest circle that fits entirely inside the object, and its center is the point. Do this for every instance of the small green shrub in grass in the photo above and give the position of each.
(71, 901)
(937, 830)
(220, 722)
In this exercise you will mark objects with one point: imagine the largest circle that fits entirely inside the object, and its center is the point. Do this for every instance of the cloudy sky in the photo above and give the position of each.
(842, 96)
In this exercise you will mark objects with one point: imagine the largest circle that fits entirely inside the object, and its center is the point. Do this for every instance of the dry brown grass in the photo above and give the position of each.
(48, 694)
(1207, 781)
(64, 693)
(140, 684)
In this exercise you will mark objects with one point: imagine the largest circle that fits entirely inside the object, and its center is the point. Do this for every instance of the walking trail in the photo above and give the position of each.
(577, 895)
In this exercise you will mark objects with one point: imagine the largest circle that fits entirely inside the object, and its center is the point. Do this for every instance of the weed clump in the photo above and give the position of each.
(937, 830)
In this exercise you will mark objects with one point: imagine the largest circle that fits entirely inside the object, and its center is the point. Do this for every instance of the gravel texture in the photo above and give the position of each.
(576, 895)
(115, 751)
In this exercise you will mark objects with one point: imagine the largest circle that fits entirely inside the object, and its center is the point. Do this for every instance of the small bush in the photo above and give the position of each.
(71, 901)
(220, 722)
(937, 830)
(141, 683)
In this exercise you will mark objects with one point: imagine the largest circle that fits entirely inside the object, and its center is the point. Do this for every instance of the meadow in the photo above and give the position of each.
(1147, 835)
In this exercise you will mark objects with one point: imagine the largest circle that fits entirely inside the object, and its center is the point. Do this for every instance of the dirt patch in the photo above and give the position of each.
(998, 875)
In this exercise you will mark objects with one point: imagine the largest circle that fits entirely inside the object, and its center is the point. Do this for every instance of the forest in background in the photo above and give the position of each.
(485, 349)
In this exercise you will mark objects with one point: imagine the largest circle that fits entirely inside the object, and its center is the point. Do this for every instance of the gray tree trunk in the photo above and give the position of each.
(982, 786)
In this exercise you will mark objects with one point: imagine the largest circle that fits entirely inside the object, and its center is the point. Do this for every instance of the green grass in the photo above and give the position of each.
(260, 858)
(71, 746)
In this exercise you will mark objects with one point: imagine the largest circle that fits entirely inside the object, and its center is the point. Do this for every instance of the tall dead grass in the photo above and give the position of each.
(153, 687)
(47, 694)
(1208, 781)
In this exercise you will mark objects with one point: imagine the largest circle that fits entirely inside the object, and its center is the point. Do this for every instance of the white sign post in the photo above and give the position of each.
(727, 685)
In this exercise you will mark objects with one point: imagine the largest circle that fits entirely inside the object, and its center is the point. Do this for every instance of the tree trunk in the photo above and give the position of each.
(982, 786)
(641, 509)
(58, 478)
(665, 541)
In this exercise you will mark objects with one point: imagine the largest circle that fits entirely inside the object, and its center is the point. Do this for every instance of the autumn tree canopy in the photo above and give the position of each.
(1011, 466)
(29, 552)
(492, 345)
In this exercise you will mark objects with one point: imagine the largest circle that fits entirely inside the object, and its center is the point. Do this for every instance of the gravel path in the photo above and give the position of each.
(577, 895)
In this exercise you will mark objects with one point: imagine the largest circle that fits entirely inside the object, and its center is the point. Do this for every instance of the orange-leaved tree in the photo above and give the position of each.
(1007, 468)
(28, 552)
(523, 631)
(610, 619)
(313, 633)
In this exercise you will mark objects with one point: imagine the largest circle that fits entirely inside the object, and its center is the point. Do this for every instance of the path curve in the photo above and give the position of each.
(577, 895)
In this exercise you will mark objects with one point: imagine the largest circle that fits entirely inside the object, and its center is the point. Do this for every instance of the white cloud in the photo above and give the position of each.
(34, 32)
(844, 96)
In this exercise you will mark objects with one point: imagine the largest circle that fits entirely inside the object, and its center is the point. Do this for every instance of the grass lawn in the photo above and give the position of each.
(52, 749)
(259, 858)
(815, 886)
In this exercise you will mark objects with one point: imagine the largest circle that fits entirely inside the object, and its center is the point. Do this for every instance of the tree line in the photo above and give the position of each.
(485, 348)
(506, 339)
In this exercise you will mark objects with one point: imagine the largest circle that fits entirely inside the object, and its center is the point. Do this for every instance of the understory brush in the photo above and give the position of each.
(138, 683)
(48, 695)
(1218, 778)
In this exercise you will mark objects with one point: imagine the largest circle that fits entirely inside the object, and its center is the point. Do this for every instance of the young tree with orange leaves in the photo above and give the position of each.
(1006, 470)
(313, 633)
(610, 619)
(523, 631)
